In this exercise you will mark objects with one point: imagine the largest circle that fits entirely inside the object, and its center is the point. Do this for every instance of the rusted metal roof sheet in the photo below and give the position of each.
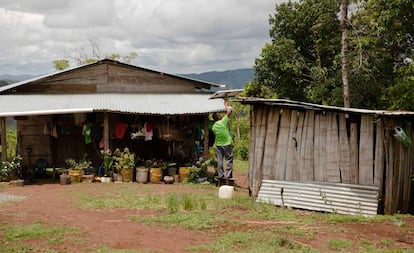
(167, 104)
(320, 196)
(285, 103)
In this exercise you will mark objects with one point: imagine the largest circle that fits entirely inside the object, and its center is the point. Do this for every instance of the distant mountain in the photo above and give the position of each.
(13, 78)
(234, 79)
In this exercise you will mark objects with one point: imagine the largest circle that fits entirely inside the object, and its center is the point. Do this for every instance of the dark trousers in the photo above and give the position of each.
(227, 153)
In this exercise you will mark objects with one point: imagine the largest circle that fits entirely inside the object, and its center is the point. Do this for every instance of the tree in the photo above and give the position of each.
(61, 64)
(344, 49)
(85, 56)
(305, 60)
(383, 40)
(402, 92)
(301, 63)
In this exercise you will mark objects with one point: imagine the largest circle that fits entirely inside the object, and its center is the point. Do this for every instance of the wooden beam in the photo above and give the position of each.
(106, 131)
(3, 139)
(206, 137)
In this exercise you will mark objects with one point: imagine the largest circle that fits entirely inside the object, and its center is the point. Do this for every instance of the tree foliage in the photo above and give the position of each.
(90, 54)
(303, 62)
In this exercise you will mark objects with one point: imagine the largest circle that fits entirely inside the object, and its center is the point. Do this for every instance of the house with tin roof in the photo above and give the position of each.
(106, 105)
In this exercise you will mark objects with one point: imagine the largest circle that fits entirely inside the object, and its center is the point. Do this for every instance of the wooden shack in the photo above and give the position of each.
(331, 159)
(108, 105)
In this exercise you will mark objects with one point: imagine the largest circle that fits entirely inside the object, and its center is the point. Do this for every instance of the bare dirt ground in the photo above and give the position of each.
(48, 203)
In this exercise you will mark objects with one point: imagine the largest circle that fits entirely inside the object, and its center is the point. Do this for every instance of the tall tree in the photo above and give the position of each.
(305, 61)
(344, 49)
(302, 62)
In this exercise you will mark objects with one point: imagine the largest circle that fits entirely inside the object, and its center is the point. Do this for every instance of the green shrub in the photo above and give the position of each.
(241, 150)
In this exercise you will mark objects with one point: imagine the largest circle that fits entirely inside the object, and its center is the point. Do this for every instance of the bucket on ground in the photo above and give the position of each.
(155, 175)
(226, 192)
(184, 172)
(142, 175)
(64, 179)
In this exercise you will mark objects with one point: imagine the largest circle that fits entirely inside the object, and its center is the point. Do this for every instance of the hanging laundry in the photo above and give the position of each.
(148, 131)
(102, 144)
(46, 129)
(120, 128)
(54, 131)
(87, 133)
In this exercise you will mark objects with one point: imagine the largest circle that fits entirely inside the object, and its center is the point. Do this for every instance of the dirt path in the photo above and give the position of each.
(49, 203)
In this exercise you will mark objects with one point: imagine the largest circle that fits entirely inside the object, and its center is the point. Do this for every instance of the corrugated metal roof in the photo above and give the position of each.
(320, 196)
(309, 106)
(168, 104)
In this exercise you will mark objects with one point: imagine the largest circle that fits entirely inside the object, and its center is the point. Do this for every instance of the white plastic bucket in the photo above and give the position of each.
(226, 192)
(142, 175)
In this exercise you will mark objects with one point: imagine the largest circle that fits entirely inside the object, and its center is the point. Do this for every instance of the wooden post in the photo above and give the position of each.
(206, 137)
(106, 131)
(3, 139)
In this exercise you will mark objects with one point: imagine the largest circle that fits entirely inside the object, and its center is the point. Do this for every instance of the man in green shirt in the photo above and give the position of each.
(224, 148)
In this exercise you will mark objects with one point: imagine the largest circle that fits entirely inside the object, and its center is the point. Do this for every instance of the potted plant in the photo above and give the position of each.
(155, 171)
(108, 161)
(12, 169)
(124, 163)
(77, 169)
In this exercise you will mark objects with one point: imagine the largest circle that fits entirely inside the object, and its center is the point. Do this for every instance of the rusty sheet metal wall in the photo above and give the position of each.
(319, 196)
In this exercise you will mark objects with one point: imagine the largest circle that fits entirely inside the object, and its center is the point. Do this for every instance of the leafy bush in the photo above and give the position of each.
(11, 169)
(241, 150)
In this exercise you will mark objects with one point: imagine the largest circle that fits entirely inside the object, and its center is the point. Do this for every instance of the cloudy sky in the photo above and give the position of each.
(174, 36)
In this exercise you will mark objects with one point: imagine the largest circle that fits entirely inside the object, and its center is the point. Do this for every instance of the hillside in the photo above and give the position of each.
(234, 79)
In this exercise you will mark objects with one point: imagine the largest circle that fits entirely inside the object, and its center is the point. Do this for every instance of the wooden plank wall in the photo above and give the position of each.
(306, 145)
(105, 78)
(399, 171)
(30, 133)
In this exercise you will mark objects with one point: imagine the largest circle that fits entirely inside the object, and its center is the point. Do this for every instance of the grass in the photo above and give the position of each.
(15, 238)
(235, 225)
(241, 166)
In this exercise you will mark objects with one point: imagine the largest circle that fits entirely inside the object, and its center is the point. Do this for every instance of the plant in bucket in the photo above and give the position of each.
(124, 163)
(108, 161)
(76, 169)
(155, 170)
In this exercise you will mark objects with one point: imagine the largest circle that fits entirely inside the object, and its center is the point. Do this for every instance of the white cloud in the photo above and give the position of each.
(175, 36)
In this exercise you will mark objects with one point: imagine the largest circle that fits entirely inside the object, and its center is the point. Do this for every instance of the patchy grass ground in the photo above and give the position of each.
(131, 217)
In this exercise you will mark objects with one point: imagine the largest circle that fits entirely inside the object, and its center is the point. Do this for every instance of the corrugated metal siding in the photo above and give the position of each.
(163, 104)
(318, 196)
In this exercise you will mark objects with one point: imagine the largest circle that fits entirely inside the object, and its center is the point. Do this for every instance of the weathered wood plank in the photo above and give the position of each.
(389, 171)
(319, 151)
(282, 145)
(366, 150)
(261, 138)
(292, 174)
(353, 141)
(34, 120)
(297, 142)
(3, 139)
(270, 142)
(307, 146)
(344, 151)
(379, 155)
(251, 172)
(332, 150)
(257, 165)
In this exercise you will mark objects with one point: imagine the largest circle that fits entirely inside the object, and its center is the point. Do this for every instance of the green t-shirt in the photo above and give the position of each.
(221, 131)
